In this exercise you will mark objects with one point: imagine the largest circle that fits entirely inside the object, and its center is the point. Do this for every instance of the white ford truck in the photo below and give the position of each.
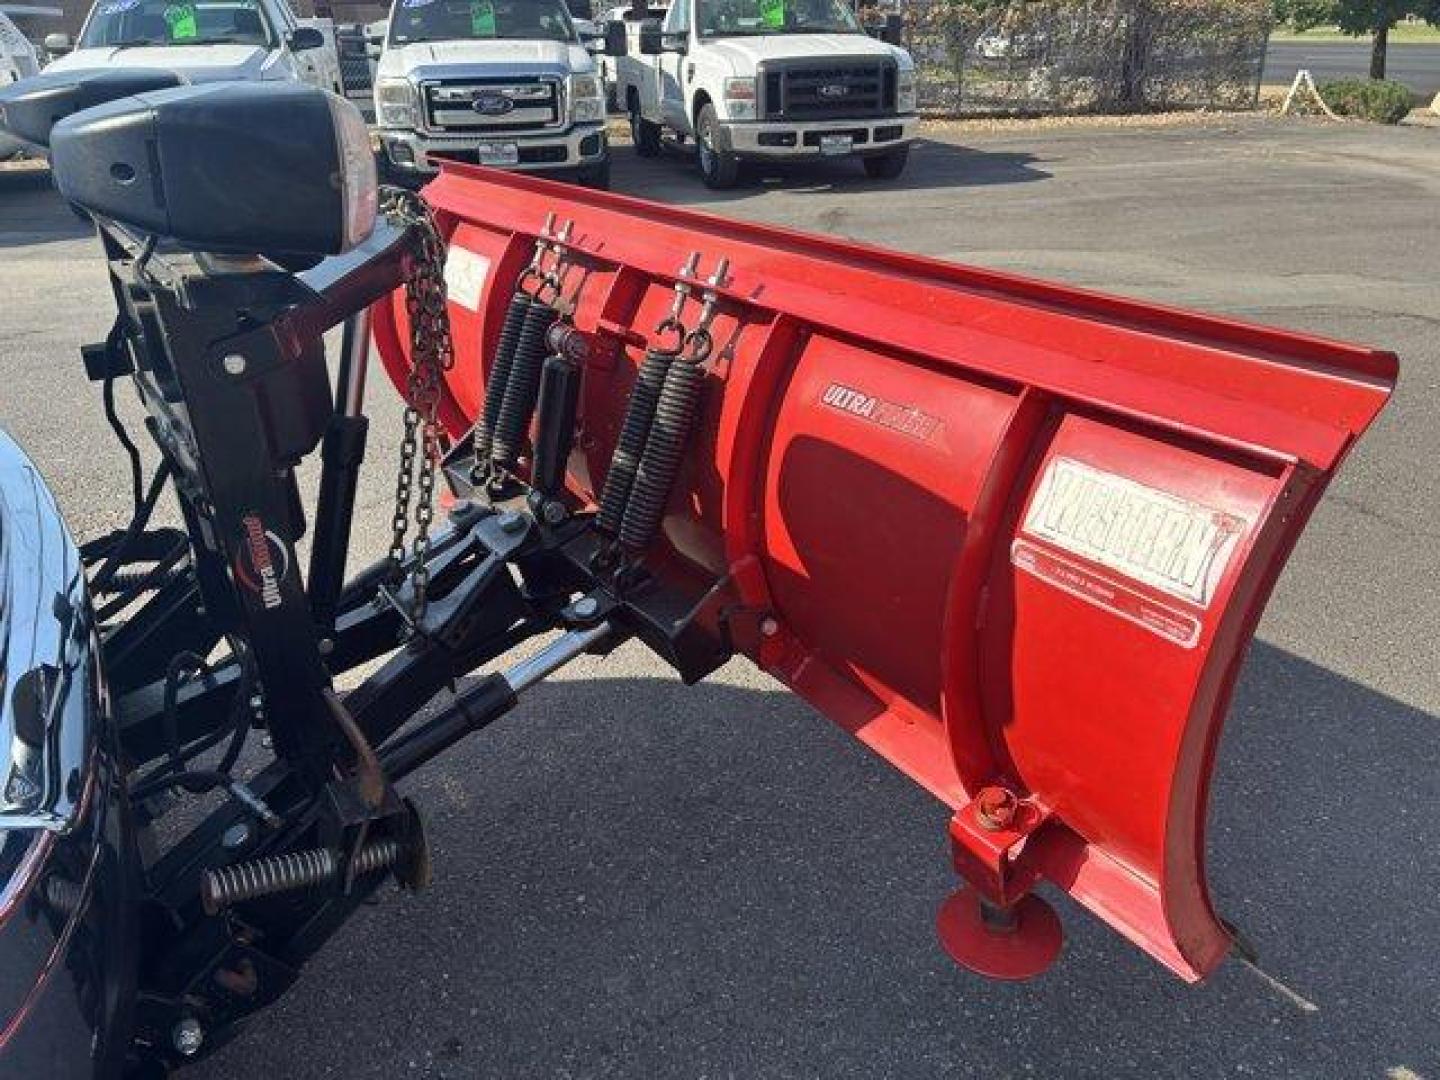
(18, 60)
(770, 79)
(507, 83)
(202, 40)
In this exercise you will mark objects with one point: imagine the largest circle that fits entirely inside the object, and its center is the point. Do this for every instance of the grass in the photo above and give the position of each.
(1404, 34)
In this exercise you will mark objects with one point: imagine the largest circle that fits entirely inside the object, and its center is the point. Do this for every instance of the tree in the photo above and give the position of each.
(1358, 17)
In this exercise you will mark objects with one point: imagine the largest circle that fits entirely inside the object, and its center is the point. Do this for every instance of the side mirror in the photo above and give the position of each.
(893, 32)
(305, 38)
(58, 44)
(277, 169)
(31, 108)
(617, 41)
(651, 40)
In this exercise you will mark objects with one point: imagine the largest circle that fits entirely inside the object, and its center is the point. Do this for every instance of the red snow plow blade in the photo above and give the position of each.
(1013, 536)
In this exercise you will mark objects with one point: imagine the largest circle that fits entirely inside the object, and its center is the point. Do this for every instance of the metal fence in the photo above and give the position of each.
(1070, 56)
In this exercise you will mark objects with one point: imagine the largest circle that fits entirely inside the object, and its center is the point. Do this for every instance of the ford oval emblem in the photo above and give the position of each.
(833, 90)
(492, 105)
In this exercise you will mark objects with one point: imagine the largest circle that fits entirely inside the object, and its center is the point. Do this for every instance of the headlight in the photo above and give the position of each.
(905, 98)
(396, 104)
(740, 98)
(245, 168)
(359, 184)
(587, 99)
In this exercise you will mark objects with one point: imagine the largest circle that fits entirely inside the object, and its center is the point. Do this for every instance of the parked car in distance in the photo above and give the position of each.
(782, 79)
(632, 16)
(19, 59)
(506, 83)
(202, 40)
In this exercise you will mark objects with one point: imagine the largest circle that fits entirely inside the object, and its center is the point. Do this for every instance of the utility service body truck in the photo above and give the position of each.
(507, 83)
(754, 79)
(202, 41)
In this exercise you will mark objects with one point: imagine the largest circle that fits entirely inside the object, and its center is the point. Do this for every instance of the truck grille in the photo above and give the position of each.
(826, 89)
(494, 106)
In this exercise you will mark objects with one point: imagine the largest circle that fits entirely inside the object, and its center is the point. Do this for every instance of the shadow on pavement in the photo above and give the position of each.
(32, 212)
(932, 165)
(636, 879)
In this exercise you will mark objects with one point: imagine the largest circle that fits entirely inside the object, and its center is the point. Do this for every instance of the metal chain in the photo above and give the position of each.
(432, 353)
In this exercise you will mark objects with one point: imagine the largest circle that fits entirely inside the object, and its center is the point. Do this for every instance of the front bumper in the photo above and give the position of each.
(777, 139)
(577, 147)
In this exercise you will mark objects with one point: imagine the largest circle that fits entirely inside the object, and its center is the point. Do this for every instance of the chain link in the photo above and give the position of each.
(432, 354)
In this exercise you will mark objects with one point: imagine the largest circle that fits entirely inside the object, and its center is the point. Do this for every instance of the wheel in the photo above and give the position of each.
(597, 176)
(718, 168)
(645, 135)
(887, 166)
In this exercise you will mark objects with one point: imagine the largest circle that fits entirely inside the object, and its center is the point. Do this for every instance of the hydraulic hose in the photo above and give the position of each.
(630, 446)
(523, 386)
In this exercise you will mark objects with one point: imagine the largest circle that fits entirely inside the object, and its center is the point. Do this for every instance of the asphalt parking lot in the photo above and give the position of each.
(635, 879)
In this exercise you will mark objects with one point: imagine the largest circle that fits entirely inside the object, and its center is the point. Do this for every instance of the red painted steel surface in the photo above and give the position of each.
(1007, 533)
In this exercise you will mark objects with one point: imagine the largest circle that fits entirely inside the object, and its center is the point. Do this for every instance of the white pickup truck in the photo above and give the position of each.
(203, 41)
(769, 79)
(19, 58)
(507, 83)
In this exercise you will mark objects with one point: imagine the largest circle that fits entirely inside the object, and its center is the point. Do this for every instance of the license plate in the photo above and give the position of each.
(836, 144)
(499, 153)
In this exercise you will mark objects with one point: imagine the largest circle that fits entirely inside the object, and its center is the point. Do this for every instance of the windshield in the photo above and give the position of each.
(744, 18)
(471, 20)
(129, 23)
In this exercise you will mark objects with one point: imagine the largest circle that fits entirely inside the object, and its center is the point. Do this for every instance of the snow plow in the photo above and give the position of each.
(1012, 536)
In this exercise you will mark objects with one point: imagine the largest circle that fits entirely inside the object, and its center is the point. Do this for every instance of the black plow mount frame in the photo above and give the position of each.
(221, 633)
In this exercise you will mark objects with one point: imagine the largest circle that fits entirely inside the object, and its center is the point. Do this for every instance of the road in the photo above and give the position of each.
(636, 879)
(1415, 64)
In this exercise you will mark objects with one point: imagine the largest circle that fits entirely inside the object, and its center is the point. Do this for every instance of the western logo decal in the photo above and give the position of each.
(906, 419)
(1167, 542)
(262, 562)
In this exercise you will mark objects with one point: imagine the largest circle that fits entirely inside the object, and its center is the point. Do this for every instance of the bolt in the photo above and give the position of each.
(996, 807)
(553, 512)
(512, 523)
(326, 646)
(769, 627)
(586, 607)
(235, 364)
(235, 837)
(187, 1037)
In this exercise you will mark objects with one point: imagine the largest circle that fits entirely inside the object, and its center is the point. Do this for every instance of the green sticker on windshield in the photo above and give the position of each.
(180, 19)
(482, 18)
(772, 14)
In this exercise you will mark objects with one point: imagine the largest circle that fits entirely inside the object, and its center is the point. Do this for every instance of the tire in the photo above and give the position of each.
(887, 166)
(597, 176)
(719, 169)
(643, 133)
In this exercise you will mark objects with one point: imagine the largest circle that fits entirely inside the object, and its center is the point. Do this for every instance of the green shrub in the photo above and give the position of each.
(1380, 100)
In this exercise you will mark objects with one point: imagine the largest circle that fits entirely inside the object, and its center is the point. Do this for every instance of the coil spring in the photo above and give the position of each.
(285, 873)
(133, 580)
(520, 305)
(523, 386)
(664, 450)
(630, 446)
